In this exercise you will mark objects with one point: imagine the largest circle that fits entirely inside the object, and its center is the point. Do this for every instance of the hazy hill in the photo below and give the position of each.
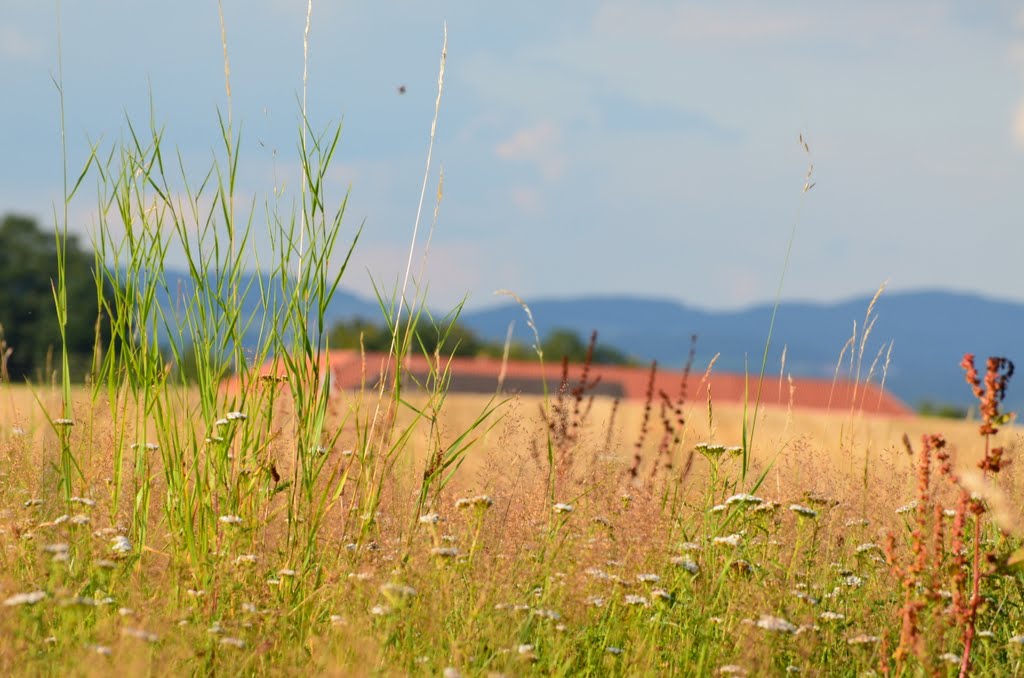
(930, 332)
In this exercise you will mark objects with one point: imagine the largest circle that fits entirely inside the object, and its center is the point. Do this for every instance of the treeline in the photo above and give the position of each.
(458, 340)
(30, 343)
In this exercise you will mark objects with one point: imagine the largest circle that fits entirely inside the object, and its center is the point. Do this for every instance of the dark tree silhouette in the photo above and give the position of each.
(28, 271)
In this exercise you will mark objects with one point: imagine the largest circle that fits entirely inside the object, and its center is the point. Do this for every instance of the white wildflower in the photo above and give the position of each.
(828, 616)
(397, 591)
(631, 599)
(648, 578)
(444, 551)
(25, 598)
(121, 544)
(862, 639)
(765, 508)
(949, 658)
(63, 422)
(687, 564)
(237, 643)
(481, 501)
(776, 624)
(806, 597)
(803, 511)
(231, 520)
(236, 416)
(245, 559)
(563, 508)
(430, 519)
(907, 508)
(744, 499)
(141, 634)
(596, 601)
(611, 649)
(733, 540)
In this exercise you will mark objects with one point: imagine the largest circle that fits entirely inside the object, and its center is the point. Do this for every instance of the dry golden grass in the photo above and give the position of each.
(810, 449)
(858, 462)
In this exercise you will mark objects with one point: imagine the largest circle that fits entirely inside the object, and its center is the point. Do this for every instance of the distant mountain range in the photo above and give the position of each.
(929, 332)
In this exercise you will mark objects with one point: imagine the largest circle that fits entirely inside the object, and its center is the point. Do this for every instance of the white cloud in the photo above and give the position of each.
(699, 23)
(1017, 126)
(527, 200)
(451, 270)
(17, 46)
(540, 145)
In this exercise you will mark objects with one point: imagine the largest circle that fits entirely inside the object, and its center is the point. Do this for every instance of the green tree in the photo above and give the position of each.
(562, 342)
(451, 338)
(28, 269)
(457, 339)
(359, 332)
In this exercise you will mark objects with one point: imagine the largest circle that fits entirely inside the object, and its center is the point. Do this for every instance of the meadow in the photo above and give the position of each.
(513, 567)
(154, 523)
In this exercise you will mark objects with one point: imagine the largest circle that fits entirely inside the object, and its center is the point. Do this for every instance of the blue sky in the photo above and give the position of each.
(632, 147)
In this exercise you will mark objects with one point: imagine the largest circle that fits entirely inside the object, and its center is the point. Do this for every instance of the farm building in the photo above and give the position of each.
(350, 370)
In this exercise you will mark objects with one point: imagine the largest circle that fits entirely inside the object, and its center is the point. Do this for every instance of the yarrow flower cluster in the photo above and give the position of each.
(803, 511)
(30, 598)
(121, 544)
(444, 551)
(686, 563)
(733, 540)
(480, 501)
(715, 451)
(906, 508)
(775, 624)
(744, 500)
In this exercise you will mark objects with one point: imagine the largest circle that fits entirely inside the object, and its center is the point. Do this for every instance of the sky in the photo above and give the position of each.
(627, 147)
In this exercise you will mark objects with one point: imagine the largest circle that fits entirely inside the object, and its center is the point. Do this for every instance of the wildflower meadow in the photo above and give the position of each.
(155, 522)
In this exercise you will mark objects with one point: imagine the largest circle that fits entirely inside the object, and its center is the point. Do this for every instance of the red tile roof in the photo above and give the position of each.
(350, 370)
